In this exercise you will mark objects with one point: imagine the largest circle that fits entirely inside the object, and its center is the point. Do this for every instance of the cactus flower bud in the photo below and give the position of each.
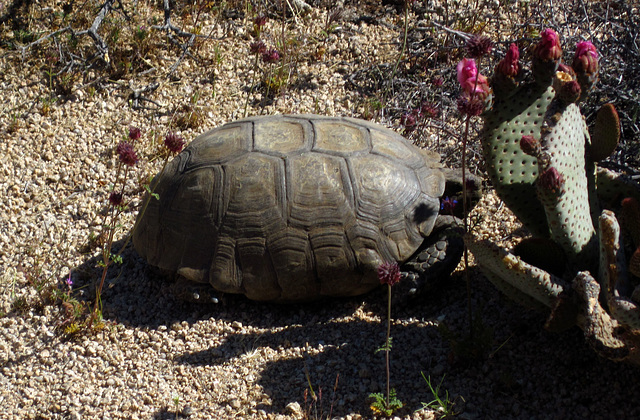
(472, 81)
(549, 46)
(509, 65)
(586, 58)
(567, 88)
(551, 180)
(570, 92)
(530, 145)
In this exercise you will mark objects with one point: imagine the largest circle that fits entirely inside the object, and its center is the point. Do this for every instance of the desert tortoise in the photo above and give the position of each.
(295, 207)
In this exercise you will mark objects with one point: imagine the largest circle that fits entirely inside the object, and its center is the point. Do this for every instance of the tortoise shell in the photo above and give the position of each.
(291, 207)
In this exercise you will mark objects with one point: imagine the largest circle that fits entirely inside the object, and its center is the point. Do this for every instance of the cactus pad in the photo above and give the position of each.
(605, 133)
(512, 172)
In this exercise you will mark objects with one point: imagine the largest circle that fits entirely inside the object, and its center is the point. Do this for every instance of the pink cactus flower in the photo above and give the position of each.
(509, 65)
(549, 46)
(586, 58)
(586, 47)
(466, 69)
(470, 80)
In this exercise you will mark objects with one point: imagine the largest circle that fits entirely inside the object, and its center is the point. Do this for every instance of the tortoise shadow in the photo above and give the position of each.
(135, 294)
(338, 338)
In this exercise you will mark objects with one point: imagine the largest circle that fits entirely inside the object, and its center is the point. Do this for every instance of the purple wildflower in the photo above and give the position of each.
(389, 273)
(257, 47)
(115, 199)
(260, 21)
(408, 120)
(134, 133)
(174, 142)
(437, 81)
(429, 110)
(126, 153)
(271, 56)
(470, 105)
(478, 46)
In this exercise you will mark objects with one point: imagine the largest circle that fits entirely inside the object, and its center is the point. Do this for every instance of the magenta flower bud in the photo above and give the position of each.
(509, 65)
(586, 58)
(530, 145)
(549, 46)
(551, 180)
(389, 273)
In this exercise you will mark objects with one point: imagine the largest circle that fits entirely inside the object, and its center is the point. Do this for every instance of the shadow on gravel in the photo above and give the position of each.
(528, 372)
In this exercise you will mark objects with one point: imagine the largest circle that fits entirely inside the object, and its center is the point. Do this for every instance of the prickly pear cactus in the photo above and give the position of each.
(542, 162)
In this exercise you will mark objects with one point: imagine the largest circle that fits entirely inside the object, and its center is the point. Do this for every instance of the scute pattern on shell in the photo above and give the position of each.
(290, 208)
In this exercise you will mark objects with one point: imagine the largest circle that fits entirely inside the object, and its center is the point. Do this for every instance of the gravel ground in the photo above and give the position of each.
(161, 358)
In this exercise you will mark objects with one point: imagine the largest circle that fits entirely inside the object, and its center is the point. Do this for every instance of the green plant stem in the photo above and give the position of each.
(466, 221)
(106, 251)
(388, 350)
